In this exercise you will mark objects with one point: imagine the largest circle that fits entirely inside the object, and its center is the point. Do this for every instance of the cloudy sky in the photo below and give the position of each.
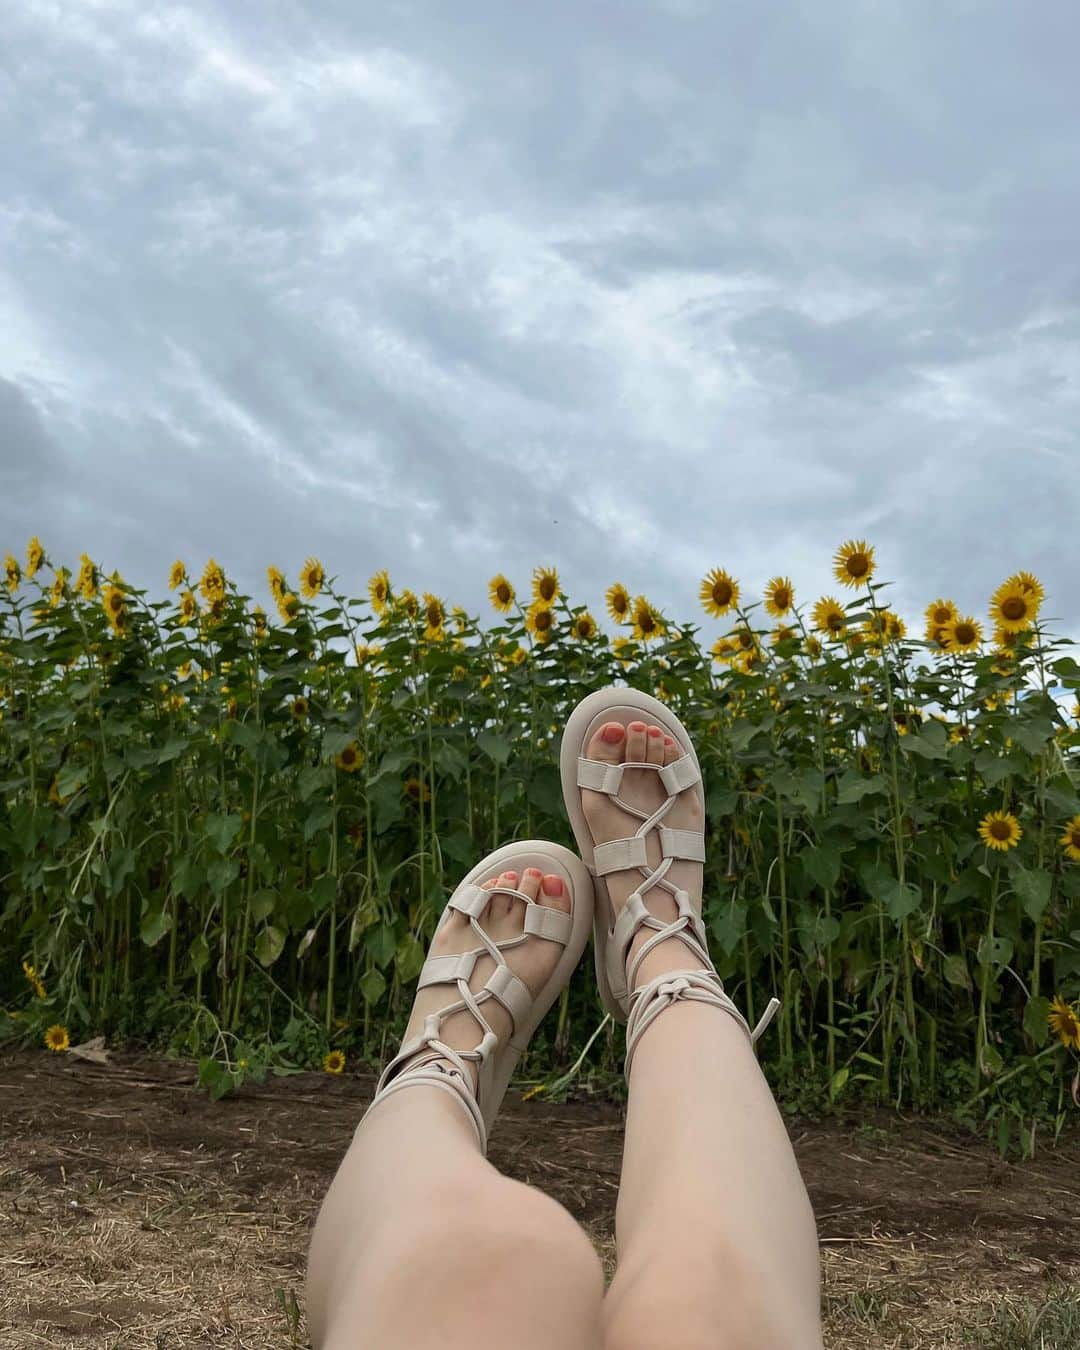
(631, 288)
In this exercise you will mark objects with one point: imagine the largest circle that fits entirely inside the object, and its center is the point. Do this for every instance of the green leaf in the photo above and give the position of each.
(318, 819)
(70, 778)
(323, 893)
(837, 1082)
(955, 970)
(333, 742)
(822, 864)
(269, 945)
(199, 954)
(1035, 1020)
(990, 1061)
(372, 986)
(853, 787)
(929, 743)
(155, 924)
(494, 745)
(1033, 887)
(221, 830)
(994, 951)
(262, 904)
(409, 958)
(1034, 735)
(381, 943)
(221, 874)
(720, 802)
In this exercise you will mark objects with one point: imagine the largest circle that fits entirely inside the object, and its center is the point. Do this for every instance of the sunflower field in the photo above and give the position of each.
(232, 831)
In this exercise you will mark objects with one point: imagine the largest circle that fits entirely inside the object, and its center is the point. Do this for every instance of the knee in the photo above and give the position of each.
(705, 1299)
(473, 1233)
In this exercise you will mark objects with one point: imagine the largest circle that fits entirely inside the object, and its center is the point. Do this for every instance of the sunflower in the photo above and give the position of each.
(350, 759)
(813, 647)
(86, 583)
(1000, 830)
(212, 582)
(724, 650)
(434, 617)
(299, 708)
(619, 647)
(113, 603)
(520, 656)
(189, 607)
(545, 585)
(617, 600)
(500, 593)
(719, 592)
(782, 633)
(33, 979)
(648, 621)
(12, 573)
(260, 626)
(779, 596)
(1070, 840)
(334, 1062)
(35, 556)
(895, 627)
(938, 615)
(379, 591)
(367, 653)
(177, 575)
(407, 603)
(1029, 583)
(584, 627)
(829, 617)
(289, 606)
(58, 590)
(57, 1039)
(853, 563)
(461, 620)
(744, 639)
(312, 578)
(540, 620)
(416, 790)
(1008, 643)
(961, 635)
(1064, 1023)
(1012, 608)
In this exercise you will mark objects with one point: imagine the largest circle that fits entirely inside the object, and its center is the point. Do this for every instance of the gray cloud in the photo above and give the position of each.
(634, 289)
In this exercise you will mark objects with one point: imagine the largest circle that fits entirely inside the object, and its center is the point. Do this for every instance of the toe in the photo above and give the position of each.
(655, 745)
(635, 743)
(554, 893)
(501, 905)
(530, 882)
(607, 743)
(671, 750)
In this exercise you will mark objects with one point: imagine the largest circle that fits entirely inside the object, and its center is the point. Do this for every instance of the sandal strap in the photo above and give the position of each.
(429, 1070)
(416, 1062)
(697, 986)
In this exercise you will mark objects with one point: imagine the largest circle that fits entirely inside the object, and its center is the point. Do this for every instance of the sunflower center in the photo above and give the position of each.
(1074, 837)
(721, 592)
(502, 591)
(1001, 829)
(1014, 608)
(620, 604)
(965, 633)
(782, 598)
(835, 621)
(547, 588)
(646, 623)
(857, 565)
(941, 615)
(543, 620)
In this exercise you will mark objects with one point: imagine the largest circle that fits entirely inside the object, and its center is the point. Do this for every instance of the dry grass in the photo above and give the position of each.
(134, 1212)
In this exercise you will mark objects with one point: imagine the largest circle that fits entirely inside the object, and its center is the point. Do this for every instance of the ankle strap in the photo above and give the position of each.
(697, 986)
(428, 1070)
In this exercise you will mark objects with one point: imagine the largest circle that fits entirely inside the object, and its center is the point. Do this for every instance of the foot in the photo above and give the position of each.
(642, 742)
(532, 961)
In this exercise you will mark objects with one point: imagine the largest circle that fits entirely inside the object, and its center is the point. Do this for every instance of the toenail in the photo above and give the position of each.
(533, 872)
(654, 731)
(637, 726)
(669, 740)
(613, 733)
(553, 885)
(510, 876)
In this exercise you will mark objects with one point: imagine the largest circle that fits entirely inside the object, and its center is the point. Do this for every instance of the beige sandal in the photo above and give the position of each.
(613, 936)
(417, 1062)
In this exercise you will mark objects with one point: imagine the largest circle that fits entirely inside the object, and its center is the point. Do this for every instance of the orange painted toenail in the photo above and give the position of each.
(637, 726)
(552, 885)
(533, 872)
(510, 876)
(668, 740)
(654, 731)
(613, 733)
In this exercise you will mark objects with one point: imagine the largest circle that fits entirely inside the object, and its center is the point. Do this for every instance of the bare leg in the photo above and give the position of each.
(422, 1245)
(717, 1245)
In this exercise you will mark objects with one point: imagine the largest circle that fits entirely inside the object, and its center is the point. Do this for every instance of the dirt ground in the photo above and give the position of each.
(135, 1212)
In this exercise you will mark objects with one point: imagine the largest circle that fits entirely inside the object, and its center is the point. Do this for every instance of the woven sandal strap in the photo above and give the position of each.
(428, 1070)
(698, 986)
